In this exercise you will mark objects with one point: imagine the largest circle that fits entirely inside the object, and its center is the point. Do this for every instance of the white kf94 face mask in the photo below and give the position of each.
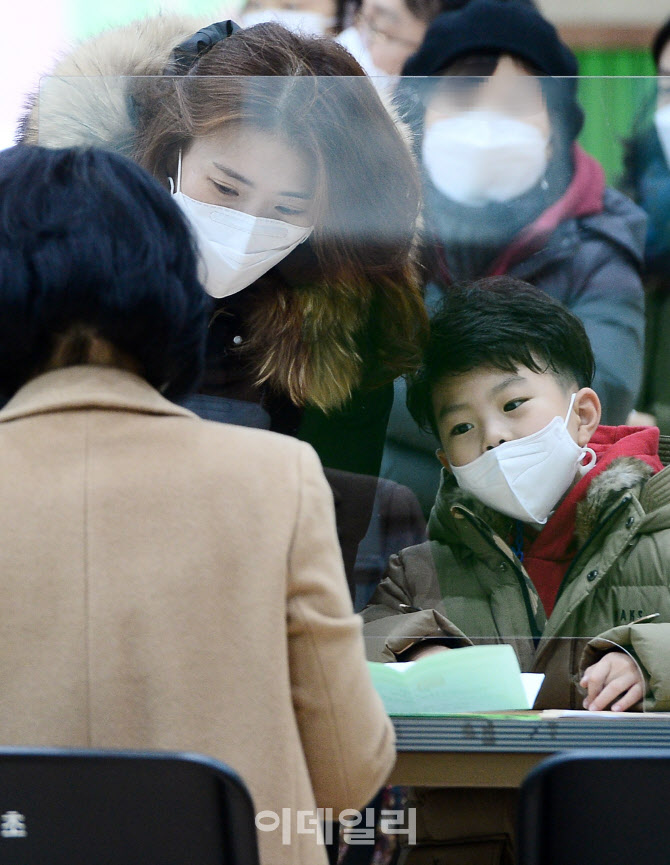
(662, 124)
(236, 248)
(525, 478)
(483, 156)
(301, 21)
(352, 40)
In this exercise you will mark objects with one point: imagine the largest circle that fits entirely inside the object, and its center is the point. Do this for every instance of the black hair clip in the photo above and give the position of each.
(186, 55)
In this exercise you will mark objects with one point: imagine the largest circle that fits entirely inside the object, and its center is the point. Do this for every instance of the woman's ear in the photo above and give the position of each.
(588, 411)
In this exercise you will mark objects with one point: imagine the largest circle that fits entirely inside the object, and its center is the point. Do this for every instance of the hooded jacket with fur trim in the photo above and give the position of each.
(467, 583)
(304, 355)
(83, 102)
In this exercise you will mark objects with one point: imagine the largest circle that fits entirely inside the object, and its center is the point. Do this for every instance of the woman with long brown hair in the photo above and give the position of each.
(304, 198)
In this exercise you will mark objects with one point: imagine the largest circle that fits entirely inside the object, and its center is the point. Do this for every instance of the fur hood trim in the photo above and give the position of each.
(305, 341)
(70, 111)
(622, 475)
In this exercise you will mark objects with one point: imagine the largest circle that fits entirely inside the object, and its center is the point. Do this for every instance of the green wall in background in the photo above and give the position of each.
(613, 107)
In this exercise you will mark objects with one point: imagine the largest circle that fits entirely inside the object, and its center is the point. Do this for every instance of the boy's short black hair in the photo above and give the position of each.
(499, 322)
(89, 239)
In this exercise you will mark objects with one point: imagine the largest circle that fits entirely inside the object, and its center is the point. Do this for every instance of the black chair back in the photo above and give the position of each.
(63, 807)
(597, 807)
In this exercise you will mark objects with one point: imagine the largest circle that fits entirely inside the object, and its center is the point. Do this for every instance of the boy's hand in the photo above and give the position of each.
(614, 678)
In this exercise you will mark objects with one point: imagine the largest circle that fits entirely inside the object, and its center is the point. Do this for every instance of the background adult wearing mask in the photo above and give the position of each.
(507, 190)
(304, 17)
(387, 32)
(168, 582)
(647, 177)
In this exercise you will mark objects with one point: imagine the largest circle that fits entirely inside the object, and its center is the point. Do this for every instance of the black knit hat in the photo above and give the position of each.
(496, 27)
(492, 26)
(660, 39)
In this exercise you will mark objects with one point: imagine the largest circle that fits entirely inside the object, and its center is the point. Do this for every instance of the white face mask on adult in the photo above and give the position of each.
(302, 21)
(236, 248)
(483, 156)
(662, 124)
(525, 478)
(352, 40)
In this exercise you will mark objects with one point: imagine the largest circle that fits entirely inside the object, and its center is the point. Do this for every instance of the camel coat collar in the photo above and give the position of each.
(89, 386)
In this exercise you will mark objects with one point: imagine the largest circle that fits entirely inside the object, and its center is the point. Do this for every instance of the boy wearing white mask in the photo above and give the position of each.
(492, 100)
(546, 525)
(549, 532)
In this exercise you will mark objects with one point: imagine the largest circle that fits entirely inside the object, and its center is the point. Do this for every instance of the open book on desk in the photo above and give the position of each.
(472, 679)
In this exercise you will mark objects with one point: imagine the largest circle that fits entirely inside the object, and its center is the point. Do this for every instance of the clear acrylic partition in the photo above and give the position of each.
(337, 122)
(506, 188)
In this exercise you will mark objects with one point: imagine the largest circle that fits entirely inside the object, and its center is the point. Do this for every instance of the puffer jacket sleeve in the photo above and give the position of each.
(347, 738)
(649, 645)
(393, 624)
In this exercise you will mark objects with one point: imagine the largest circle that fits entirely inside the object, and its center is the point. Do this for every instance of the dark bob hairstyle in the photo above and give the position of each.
(89, 241)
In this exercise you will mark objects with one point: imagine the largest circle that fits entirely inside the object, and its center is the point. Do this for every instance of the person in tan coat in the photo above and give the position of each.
(167, 582)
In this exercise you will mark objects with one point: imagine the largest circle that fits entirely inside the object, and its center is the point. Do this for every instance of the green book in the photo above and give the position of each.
(472, 679)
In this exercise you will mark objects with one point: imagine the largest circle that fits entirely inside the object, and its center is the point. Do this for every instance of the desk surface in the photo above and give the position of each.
(498, 751)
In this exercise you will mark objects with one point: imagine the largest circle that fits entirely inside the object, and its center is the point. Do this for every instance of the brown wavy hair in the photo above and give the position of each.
(355, 314)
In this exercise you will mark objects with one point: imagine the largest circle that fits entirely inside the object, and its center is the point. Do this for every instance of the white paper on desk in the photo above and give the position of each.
(605, 715)
(532, 682)
(472, 679)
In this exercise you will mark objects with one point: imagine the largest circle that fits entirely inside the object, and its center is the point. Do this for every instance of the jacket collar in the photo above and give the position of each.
(623, 474)
(89, 386)
(583, 197)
